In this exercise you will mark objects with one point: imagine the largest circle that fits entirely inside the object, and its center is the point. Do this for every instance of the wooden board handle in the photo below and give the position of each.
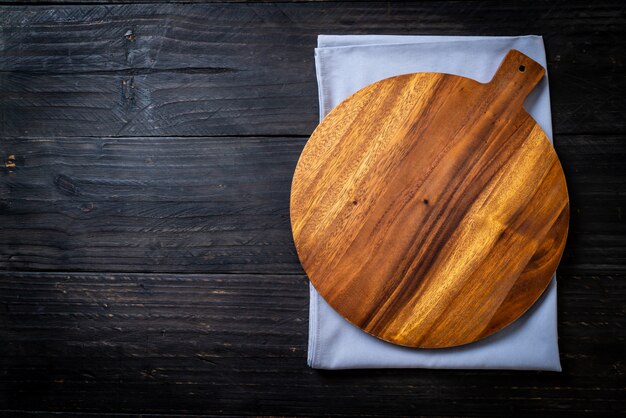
(517, 76)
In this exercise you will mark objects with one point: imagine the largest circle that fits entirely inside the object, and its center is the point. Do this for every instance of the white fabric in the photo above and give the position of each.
(346, 64)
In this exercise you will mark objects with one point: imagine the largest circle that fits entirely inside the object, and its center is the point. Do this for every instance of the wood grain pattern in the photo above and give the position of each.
(203, 344)
(247, 69)
(82, 336)
(148, 204)
(182, 205)
(429, 209)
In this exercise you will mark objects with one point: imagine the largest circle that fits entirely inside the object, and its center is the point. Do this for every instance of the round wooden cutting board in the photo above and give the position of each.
(431, 210)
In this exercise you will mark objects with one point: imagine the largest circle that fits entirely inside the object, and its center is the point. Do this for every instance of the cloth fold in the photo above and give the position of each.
(347, 63)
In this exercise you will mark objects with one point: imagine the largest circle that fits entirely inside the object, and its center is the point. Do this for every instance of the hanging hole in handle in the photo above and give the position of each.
(522, 68)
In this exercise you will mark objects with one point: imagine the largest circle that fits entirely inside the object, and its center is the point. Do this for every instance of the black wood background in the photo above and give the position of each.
(146, 261)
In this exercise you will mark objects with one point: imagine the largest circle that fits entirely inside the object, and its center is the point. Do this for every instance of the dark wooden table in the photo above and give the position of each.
(146, 260)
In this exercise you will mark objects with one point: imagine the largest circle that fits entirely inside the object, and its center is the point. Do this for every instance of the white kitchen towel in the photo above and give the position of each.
(346, 64)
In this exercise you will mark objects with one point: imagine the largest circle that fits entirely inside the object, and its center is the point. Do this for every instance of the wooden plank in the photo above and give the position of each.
(209, 344)
(222, 204)
(234, 69)
(596, 177)
(148, 204)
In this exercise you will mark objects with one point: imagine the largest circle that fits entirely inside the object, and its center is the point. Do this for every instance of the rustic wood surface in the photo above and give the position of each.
(146, 255)
(431, 210)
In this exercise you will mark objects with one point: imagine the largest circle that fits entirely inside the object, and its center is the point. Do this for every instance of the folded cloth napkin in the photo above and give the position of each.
(346, 64)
